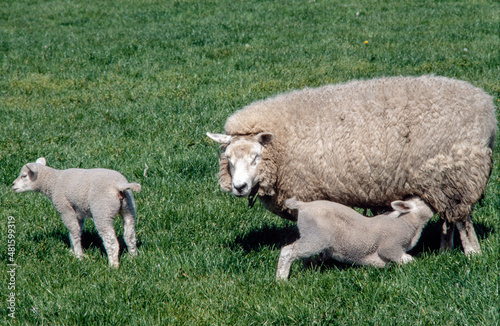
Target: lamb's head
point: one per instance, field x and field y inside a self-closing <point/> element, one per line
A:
<point x="244" y="154"/>
<point x="413" y="205"/>
<point x="27" y="180"/>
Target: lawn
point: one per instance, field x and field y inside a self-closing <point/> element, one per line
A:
<point x="135" y="85"/>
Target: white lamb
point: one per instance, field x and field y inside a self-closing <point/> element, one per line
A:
<point x="348" y="236"/>
<point x="365" y="144"/>
<point x="81" y="193"/>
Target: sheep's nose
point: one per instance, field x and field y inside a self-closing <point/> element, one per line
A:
<point x="240" y="187"/>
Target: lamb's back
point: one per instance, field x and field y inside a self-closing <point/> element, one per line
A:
<point x="82" y="186"/>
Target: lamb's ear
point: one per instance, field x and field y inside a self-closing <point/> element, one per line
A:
<point x="265" y="138"/>
<point x="220" y="138"/>
<point x="41" y="161"/>
<point x="32" y="171"/>
<point x="403" y="206"/>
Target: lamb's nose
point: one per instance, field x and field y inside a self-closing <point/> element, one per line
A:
<point x="240" y="187"/>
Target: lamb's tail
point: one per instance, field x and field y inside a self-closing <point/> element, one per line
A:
<point x="293" y="203"/>
<point x="132" y="186"/>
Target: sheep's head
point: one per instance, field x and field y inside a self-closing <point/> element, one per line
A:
<point x="243" y="154"/>
<point x="28" y="176"/>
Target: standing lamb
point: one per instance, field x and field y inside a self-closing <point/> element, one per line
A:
<point x="365" y="144"/>
<point x="344" y="234"/>
<point x="80" y="193"/>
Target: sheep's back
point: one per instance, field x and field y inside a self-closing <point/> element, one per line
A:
<point x="366" y="143"/>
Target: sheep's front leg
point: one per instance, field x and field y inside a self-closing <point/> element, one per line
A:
<point x="468" y="236"/>
<point x="405" y="258"/>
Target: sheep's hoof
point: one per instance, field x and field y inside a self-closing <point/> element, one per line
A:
<point x="469" y="252"/>
<point x="78" y="256"/>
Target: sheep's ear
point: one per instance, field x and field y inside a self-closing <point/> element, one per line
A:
<point x="265" y="138"/>
<point x="41" y="161"/>
<point x="220" y="138"/>
<point x="402" y="206"/>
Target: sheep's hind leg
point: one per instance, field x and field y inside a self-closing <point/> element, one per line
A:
<point x="468" y="236"/>
<point x="287" y="256"/>
<point x="128" y="214"/>
<point x="107" y="233"/>
<point x="298" y="249"/>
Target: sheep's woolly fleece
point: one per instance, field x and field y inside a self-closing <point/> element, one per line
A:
<point x="367" y="143"/>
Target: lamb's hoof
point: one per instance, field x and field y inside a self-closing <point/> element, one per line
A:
<point x="281" y="276"/>
<point x="405" y="259"/>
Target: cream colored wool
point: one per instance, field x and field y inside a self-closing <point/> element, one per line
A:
<point x="368" y="143"/>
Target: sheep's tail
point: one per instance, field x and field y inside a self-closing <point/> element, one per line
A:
<point x="132" y="186"/>
<point x="293" y="203"/>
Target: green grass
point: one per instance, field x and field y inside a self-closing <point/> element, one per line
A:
<point x="122" y="84"/>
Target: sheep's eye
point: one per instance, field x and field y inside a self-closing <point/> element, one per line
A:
<point x="24" y="176"/>
<point x="254" y="160"/>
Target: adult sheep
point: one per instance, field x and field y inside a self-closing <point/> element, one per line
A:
<point x="365" y="144"/>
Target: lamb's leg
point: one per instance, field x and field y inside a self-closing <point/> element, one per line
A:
<point x="287" y="257"/>
<point x="391" y="252"/>
<point x="128" y="214"/>
<point x="104" y="226"/>
<point x="75" y="226"/>
<point x="405" y="258"/>
<point x="468" y="236"/>
<point x="299" y="249"/>
<point x="447" y="233"/>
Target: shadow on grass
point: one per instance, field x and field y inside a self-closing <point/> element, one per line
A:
<point x="268" y="236"/>
<point x="430" y="240"/>
<point x="90" y="240"/>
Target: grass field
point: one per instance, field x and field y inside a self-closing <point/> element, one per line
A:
<point x="125" y="84"/>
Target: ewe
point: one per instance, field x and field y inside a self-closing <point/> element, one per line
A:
<point x="80" y="193"/>
<point x="343" y="234"/>
<point x="365" y="144"/>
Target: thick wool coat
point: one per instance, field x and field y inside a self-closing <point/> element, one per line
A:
<point x="367" y="143"/>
